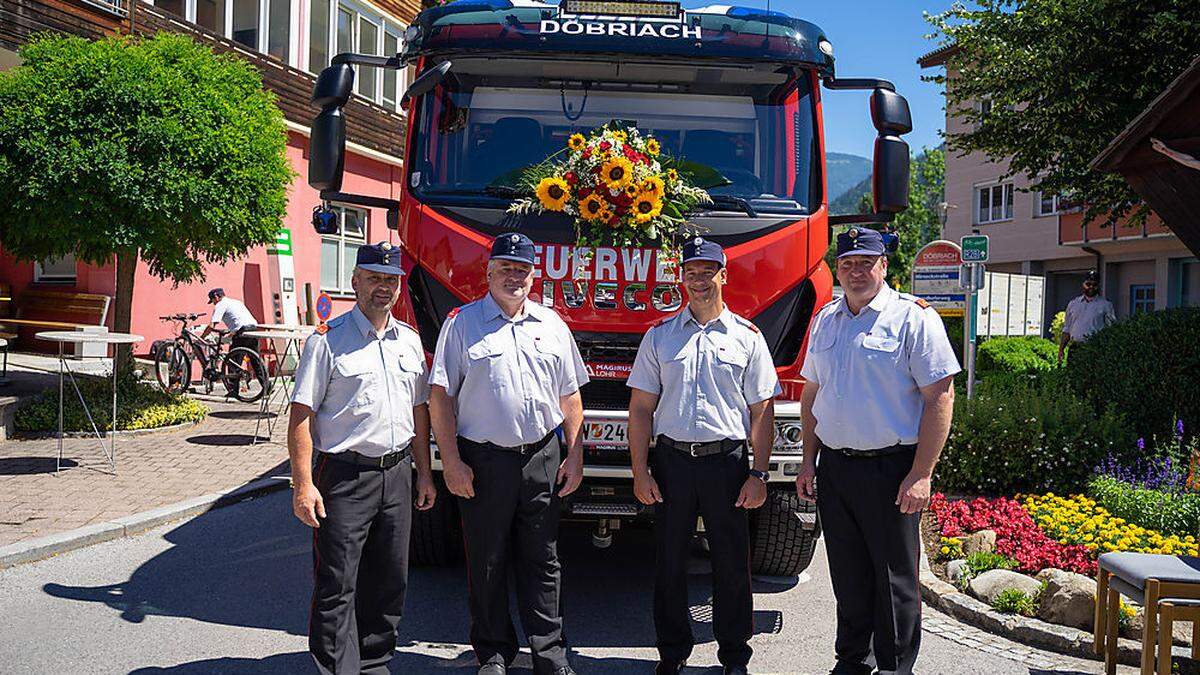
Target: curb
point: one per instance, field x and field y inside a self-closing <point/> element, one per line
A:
<point x="121" y="433"/>
<point x="1029" y="631"/>
<point x="51" y="545"/>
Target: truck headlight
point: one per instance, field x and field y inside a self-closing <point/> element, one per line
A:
<point x="789" y="436"/>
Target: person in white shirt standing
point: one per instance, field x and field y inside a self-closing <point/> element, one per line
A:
<point x="236" y="317"/>
<point x="1086" y="314"/>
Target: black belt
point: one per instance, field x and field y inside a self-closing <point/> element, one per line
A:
<point x="721" y="447"/>
<point x="875" y="452"/>
<point x="526" y="449"/>
<point x="385" y="462"/>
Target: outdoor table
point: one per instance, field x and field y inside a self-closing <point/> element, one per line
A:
<point x="62" y="337"/>
<point x="291" y="336"/>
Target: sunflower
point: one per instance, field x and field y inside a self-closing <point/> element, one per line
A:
<point x="652" y="147"/>
<point x="645" y="207"/>
<point x="620" y="135"/>
<point x="576" y="142"/>
<point x="631" y="190"/>
<point x="672" y="175"/>
<point x="617" y="172"/>
<point x="594" y="208"/>
<point x="653" y="185"/>
<point x="553" y="193"/>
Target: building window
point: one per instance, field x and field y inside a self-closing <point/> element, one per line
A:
<point x="245" y="23"/>
<point x="1189" y="283"/>
<point x="55" y="270"/>
<point x="176" y="7"/>
<point x="318" y="35"/>
<point x="357" y="29"/>
<point x="1050" y="204"/>
<point x="983" y="108"/>
<point x="1141" y="298"/>
<point x="262" y="25"/>
<point x="279" y="29"/>
<point x="338" y="251"/>
<point x="994" y="203"/>
<point x="368" y="43"/>
<point x="210" y="14"/>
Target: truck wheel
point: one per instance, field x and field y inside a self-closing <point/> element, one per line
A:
<point x="783" y="534"/>
<point x="436" y="539"/>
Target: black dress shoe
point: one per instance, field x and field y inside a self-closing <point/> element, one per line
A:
<point x="736" y="670"/>
<point x="492" y="669"/>
<point x="669" y="667"/>
<point x="565" y="670"/>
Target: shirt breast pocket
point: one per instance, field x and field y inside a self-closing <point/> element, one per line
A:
<point x="821" y="341"/>
<point x="485" y="358"/>
<point x="354" y="380"/>
<point x="734" y="359"/>
<point x="881" y="348"/>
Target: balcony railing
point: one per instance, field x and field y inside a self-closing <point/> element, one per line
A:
<point x="115" y="7"/>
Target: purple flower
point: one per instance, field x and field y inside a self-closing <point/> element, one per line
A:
<point x="1141" y="444"/>
<point x="1179" y="429"/>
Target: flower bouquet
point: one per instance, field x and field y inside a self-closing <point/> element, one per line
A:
<point x="619" y="187"/>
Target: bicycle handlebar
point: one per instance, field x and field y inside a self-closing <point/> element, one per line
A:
<point x="179" y="317"/>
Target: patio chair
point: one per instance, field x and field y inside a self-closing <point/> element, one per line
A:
<point x="1167" y="587"/>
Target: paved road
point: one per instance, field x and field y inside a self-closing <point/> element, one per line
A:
<point x="227" y="592"/>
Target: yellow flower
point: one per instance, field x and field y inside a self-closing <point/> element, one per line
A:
<point x="620" y="135"/>
<point x="631" y="191"/>
<point x="553" y="193"/>
<point x="576" y="142"/>
<point x="594" y="208"/>
<point x="645" y="207"/>
<point x="652" y="147"/>
<point x="653" y="185"/>
<point x="945" y="550"/>
<point x="617" y="173"/>
<point x="672" y="175"/>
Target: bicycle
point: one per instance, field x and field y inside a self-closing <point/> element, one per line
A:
<point x="241" y="369"/>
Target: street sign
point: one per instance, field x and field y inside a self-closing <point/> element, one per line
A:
<point x="935" y="277"/>
<point x="975" y="248"/>
<point x="324" y="307"/>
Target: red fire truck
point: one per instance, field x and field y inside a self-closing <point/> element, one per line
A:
<point x="502" y="84"/>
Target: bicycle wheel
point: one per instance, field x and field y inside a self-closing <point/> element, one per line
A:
<point x="173" y="369"/>
<point x="244" y="374"/>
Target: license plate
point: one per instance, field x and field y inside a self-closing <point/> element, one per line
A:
<point x="606" y="434"/>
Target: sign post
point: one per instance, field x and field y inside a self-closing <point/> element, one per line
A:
<point x="974" y="254"/>
<point x="935" y="277"/>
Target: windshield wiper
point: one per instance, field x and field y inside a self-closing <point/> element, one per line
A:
<point x="741" y="203"/>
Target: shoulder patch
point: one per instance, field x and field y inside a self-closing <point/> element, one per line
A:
<point x="454" y="312"/>
<point x="322" y="329"/>
<point x="747" y="323"/>
<point x="922" y="303"/>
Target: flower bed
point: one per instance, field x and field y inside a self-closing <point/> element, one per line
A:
<point x="1078" y="520"/>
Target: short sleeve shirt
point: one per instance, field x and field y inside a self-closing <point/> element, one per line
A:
<point x="1086" y="316"/>
<point x="706" y="377"/>
<point x="507" y="374"/>
<point x="869" y="369"/>
<point x="362" y="385"/>
<point x="233" y="313"/>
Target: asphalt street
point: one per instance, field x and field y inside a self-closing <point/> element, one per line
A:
<point x="228" y="592"/>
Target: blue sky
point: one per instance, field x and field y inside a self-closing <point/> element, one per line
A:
<point x="873" y="38"/>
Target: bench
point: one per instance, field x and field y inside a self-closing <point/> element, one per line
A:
<point x="56" y="310"/>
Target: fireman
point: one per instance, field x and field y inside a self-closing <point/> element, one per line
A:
<point x="505" y="380"/>
<point x="704" y="382"/>
<point x="876" y="409"/>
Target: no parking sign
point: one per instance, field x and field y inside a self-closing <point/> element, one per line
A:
<point x="324" y="309"/>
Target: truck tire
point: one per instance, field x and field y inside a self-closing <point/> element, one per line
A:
<point x="436" y="538"/>
<point x="781" y="543"/>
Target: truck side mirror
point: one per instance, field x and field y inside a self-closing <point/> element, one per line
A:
<point x="889" y="181"/>
<point x="889" y="113"/>
<point x="327" y="141"/>
<point x="425" y="83"/>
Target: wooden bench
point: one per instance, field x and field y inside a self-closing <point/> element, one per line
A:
<point x="56" y="310"/>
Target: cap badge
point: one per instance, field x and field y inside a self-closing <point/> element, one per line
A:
<point x="698" y="240"/>
<point x="853" y="232"/>
<point x="515" y="238"/>
<point x="385" y="246"/>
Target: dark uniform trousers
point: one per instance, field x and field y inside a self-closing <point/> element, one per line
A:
<point x="874" y="556"/>
<point x="360" y="564"/>
<point x="513" y="517"/>
<point x="709" y="487"/>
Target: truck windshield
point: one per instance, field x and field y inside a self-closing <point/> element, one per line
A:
<point x="753" y="123"/>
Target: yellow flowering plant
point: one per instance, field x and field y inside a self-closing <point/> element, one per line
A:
<point x="1077" y="519"/>
<point x="618" y="185"/>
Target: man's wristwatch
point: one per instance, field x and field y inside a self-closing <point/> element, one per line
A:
<point x="761" y="475"/>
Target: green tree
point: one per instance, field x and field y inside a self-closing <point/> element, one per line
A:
<point x="1063" y="78"/>
<point x="920" y="223"/>
<point x="131" y="149"/>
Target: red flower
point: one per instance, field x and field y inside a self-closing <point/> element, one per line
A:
<point x="587" y="152"/>
<point x="605" y="145"/>
<point x="571" y="178"/>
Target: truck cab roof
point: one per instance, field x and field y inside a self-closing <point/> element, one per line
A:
<point x="618" y="27"/>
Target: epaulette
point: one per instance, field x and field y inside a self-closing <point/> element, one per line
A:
<point x="322" y="329"/>
<point x="747" y="323"/>
<point x="453" y="313"/>
<point x="922" y="303"/>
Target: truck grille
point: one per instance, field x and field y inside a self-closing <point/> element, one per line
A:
<point x="608" y="347"/>
<point x="605" y="395"/>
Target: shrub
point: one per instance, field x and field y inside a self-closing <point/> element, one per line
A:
<point x="139" y="406"/>
<point x="985" y="561"/>
<point x="1021" y="435"/>
<point x="1148" y="366"/>
<point x="1024" y="354"/>
<point x="1014" y="601"/>
<point x="1056" y="327"/>
<point x="1167" y="511"/>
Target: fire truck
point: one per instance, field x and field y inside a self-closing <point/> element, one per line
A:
<point x="501" y="85"/>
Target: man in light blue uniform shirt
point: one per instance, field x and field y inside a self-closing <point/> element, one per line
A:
<point x="703" y="384"/>
<point x="361" y="401"/>
<point x="506" y="377"/>
<point x="876" y="405"/>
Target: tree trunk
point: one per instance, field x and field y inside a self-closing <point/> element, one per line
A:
<point x="123" y="304"/>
